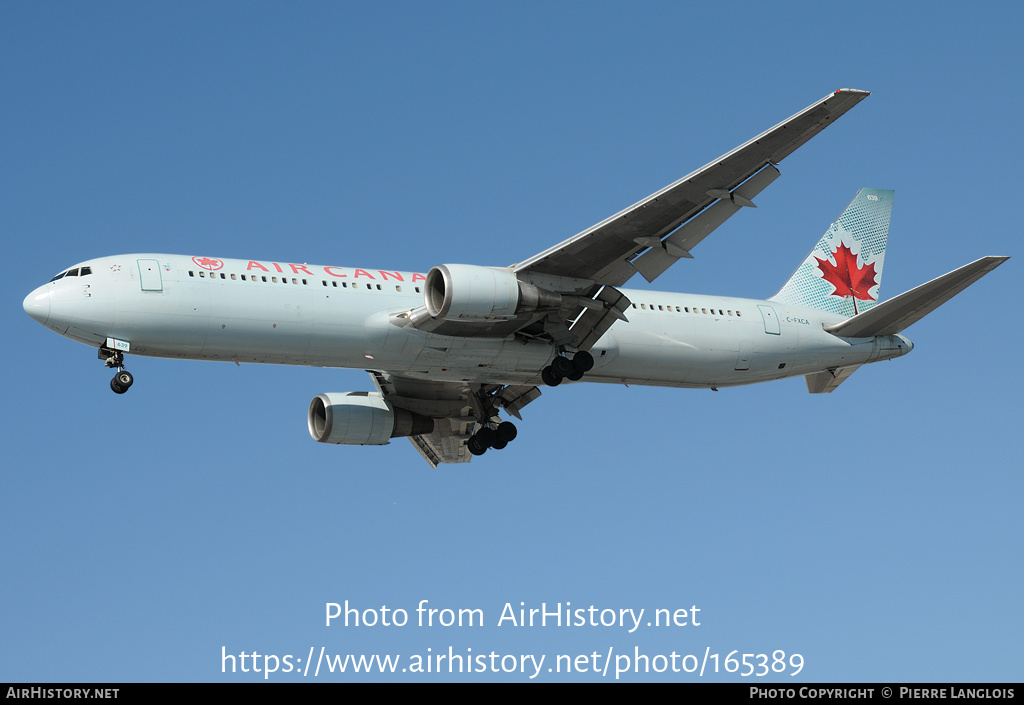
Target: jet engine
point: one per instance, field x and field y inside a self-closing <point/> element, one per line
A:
<point x="464" y="292"/>
<point x="362" y="418"/>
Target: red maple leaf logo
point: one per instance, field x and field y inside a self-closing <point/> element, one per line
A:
<point x="208" y="263"/>
<point x="848" y="279"/>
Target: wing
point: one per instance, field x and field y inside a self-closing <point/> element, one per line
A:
<point x="606" y="252"/>
<point x="583" y="272"/>
<point x="454" y="407"/>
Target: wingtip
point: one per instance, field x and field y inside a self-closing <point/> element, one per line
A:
<point x="853" y="90"/>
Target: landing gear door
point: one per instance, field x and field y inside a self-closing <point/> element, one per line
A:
<point x="149" y="275"/>
<point x="771" y="320"/>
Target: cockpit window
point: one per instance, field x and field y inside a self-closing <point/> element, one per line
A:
<point x="76" y="272"/>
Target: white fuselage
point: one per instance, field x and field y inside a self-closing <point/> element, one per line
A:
<point x="265" y="312"/>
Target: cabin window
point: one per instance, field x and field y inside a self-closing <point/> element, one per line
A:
<point x="191" y="273"/>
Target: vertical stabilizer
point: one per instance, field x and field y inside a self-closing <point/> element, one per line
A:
<point x="843" y="272"/>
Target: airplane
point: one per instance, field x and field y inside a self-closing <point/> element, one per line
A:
<point x="450" y="349"/>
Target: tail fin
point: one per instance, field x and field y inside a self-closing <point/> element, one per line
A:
<point x="843" y="272"/>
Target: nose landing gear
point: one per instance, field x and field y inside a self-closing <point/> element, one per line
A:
<point x="115" y="358"/>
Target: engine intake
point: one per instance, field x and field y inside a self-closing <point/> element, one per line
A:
<point x="464" y="292"/>
<point x="361" y="418"/>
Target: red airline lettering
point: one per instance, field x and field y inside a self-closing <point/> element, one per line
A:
<point x="336" y="272"/>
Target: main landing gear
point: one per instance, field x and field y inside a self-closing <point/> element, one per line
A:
<point x="115" y="358"/>
<point x="564" y="368"/>
<point x="487" y="437"/>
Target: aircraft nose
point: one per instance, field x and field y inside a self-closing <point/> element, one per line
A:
<point x="37" y="304"/>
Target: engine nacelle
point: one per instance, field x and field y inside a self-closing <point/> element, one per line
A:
<point x="361" y="418"/>
<point x="464" y="292"/>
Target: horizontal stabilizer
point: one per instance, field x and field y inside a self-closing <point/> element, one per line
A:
<point x="892" y="316"/>
<point x="827" y="381"/>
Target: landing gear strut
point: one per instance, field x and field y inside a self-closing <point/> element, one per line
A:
<point x="115" y="358"/>
<point x="564" y="368"/>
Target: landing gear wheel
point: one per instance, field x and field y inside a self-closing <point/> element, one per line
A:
<point x="550" y="377"/>
<point x="583" y="361"/>
<point x="473" y="444"/>
<point x="506" y="433"/>
<point x="498" y="445"/>
<point x="575" y="375"/>
<point x="122" y="380"/>
<point x="561" y="366"/>
<point x="485" y="437"/>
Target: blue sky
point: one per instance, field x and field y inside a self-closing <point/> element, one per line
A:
<point x="875" y="531"/>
